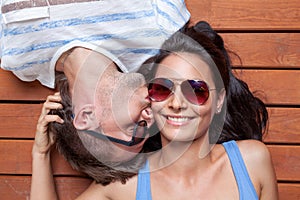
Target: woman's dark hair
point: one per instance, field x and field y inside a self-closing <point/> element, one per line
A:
<point x="244" y="115"/>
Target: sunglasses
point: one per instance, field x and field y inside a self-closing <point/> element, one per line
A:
<point x="139" y="134"/>
<point x="195" y="91"/>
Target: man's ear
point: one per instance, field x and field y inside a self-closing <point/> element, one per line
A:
<point x="147" y="115"/>
<point x="85" y="119"/>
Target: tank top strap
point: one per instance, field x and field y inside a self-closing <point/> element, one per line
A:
<point x="143" y="191"/>
<point x="244" y="183"/>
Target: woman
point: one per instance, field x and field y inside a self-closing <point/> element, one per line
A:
<point x="196" y="101"/>
<point x="189" y="102"/>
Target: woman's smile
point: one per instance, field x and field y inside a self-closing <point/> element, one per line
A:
<point x="177" y="120"/>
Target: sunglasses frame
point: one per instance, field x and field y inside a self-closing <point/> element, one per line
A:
<point x="172" y="90"/>
<point x="132" y="142"/>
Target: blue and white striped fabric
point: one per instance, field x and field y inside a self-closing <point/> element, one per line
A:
<point x="34" y="33"/>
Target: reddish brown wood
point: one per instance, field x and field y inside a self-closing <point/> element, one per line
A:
<point x="286" y="161"/>
<point x="247" y="15"/>
<point x="279" y="87"/>
<point x="284" y="125"/>
<point x="271" y="50"/>
<point x="12" y="88"/>
<point x="15" y="158"/>
<point x="289" y="191"/>
<point x="68" y="188"/>
<point x="18" y="187"/>
<point x="19" y="120"/>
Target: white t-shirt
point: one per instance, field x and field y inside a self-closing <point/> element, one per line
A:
<point x="35" y="33"/>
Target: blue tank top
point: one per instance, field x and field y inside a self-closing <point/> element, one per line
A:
<point x="245" y="185"/>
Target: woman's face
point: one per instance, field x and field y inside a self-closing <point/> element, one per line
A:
<point x="176" y="117"/>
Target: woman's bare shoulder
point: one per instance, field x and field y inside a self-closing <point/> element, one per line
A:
<point x="259" y="164"/>
<point x="253" y="150"/>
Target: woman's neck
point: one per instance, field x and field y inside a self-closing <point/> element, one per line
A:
<point x="183" y="157"/>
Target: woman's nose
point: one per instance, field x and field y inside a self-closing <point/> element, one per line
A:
<point x="177" y="100"/>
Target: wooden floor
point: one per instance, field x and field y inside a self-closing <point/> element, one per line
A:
<point x="266" y="36"/>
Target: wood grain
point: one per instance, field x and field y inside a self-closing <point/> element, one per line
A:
<point x="262" y="81"/>
<point x="264" y="50"/>
<point x="15" y="158"/>
<point x="274" y="87"/>
<point x="12" y="88"/>
<point x="19" y="121"/>
<point x="286" y="161"/>
<point x="247" y="15"/>
<point x="68" y="188"/>
<point x="18" y="187"/>
<point x="284" y="126"/>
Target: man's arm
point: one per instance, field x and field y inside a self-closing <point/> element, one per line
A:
<point x="42" y="183"/>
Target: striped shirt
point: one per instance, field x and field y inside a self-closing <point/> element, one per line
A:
<point x="34" y="33"/>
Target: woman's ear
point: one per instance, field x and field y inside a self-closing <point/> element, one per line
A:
<point x="220" y="100"/>
<point x="147" y="115"/>
<point x="85" y="119"/>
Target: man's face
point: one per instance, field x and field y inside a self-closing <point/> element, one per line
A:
<point x="111" y="103"/>
<point x="120" y="100"/>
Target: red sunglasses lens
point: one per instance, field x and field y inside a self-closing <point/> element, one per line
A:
<point x="160" y="89"/>
<point x="196" y="92"/>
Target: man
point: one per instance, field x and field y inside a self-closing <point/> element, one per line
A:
<point x="103" y="98"/>
<point x="124" y="103"/>
<point x="38" y="37"/>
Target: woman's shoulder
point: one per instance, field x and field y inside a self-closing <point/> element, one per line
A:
<point x="256" y="157"/>
<point x="252" y="150"/>
<point x="258" y="161"/>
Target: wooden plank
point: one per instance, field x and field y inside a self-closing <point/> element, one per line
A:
<point x="18" y="187"/>
<point x="284" y="125"/>
<point x="275" y="87"/>
<point x="15" y="158"/>
<point x="68" y="188"/>
<point x="12" y="88"/>
<point x="286" y="162"/>
<point x="284" y="91"/>
<point x="19" y="121"/>
<point x="269" y="50"/>
<point x="289" y="191"/>
<point x="247" y="15"/>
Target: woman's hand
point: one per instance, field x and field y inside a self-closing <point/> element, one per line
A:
<point x="44" y="139"/>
